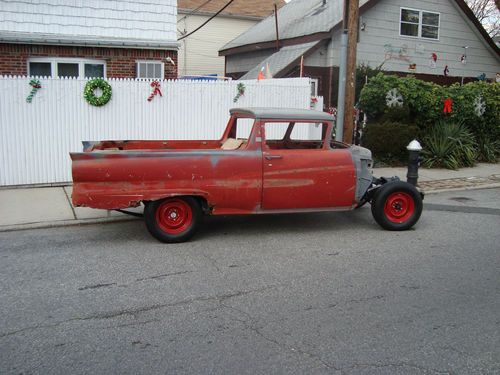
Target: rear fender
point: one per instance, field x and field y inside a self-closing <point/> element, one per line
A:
<point x="202" y="199"/>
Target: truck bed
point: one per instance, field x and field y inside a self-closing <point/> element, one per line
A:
<point x="153" y="145"/>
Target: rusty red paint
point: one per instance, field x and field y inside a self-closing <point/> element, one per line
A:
<point x="251" y="179"/>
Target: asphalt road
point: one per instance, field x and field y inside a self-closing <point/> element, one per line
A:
<point x="327" y="293"/>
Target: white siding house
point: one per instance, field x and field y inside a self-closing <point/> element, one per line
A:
<point x="441" y="41"/>
<point x="381" y="41"/>
<point x="198" y="54"/>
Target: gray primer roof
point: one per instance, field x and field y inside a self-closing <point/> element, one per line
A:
<point x="297" y="18"/>
<point x="281" y="59"/>
<point x="283" y="113"/>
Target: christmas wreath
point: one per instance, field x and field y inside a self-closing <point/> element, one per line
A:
<point x="91" y="97"/>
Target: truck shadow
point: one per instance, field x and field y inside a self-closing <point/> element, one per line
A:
<point x="216" y="226"/>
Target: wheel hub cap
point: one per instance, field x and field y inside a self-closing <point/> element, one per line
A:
<point x="399" y="207"/>
<point x="174" y="216"/>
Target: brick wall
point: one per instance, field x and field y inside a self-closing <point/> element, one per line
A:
<point x="120" y="62"/>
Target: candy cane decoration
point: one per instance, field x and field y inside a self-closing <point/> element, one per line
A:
<point x="156" y="90"/>
<point x="36" y="85"/>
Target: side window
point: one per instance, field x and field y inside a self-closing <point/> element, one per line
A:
<point x="276" y="130"/>
<point x="295" y="135"/>
<point x="307" y="132"/>
<point x="243" y="128"/>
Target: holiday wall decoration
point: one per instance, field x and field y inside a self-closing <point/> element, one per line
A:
<point x="432" y="60"/>
<point x="479" y="106"/>
<point x="447" y="108"/>
<point x="35" y="86"/>
<point x="394" y="98"/>
<point x="241" y="91"/>
<point x="446" y="71"/>
<point x="91" y="97"/>
<point x="156" y="90"/>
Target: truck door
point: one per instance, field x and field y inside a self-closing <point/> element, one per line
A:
<point x="301" y="171"/>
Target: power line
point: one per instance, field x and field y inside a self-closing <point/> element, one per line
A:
<point x="207" y="21"/>
<point x="195" y="10"/>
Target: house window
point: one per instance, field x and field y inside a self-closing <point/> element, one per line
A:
<point x="40" y="69"/>
<point x="419" y="24"/>
<point x="314" y="87"/>
<point x="150" y="69"/>
<point x="66" y="67"/>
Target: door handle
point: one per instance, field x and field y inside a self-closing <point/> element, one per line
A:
<point x="271" y="157"/>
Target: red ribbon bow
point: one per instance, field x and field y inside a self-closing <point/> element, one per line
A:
<point x="447" y="105"/>
<point x="156" y="90"/>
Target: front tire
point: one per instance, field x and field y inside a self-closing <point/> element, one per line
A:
<point x="397" y="206"/>
<point x="174" y="219"/>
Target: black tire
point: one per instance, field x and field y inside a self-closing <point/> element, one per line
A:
<point x="397" y="206"/>
<point x="173" y="219"/>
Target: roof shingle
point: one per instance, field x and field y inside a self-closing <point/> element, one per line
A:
<point x="254" y="8"/>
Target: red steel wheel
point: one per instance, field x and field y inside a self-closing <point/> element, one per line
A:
<point x="173" y="219"/>
<point x="397" y="205"/>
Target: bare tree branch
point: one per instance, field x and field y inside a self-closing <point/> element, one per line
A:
<point x="488" y="13"/>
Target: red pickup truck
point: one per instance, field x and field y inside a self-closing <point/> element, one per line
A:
<point x="268" y="161"/>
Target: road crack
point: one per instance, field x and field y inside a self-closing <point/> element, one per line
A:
<point x="135" y="312"/>
<point x="163" y="275"/>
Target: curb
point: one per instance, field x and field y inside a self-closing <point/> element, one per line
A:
<point x="107" y="220"/>
<point x="478" y="187"/>
<point x="64" y="223"/>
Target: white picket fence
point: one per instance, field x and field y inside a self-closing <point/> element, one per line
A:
<point x="36" y="137"/>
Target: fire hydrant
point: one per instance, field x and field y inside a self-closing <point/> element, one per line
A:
<point x="414" y="149"/>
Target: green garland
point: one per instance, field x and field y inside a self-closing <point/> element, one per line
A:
<point x="36" y="85"/>
<point x="241" y="91"/>
<point x="90" y="96"/>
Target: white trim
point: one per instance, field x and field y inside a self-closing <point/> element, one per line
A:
<point x="55" y="60"/>
<point x="420" y="24"/>
<point x="137" y="62"/>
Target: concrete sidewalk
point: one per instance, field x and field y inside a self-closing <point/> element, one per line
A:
<point x="40" y="207"/>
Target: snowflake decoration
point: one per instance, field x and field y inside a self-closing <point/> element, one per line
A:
<point x="394" y="98"/>
<point x="479" y="106"/>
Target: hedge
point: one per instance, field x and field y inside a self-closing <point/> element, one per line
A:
<point x="424" y="102"/>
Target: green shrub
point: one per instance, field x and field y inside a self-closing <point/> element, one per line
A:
<point x="388" y="140"/>
<point x="364" y="72"/>
<point x="488" y="149"/>
<point x="397" y="114"/>
<point x="424" y="103"/>
<point x="449" y="145"/>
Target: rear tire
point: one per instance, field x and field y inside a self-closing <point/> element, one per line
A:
<point x="174" y="219"/>
<point x="397" y="206"/>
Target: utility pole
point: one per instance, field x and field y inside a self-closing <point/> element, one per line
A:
<point x="350" y="90"/>
<point x="339" y="129"/>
